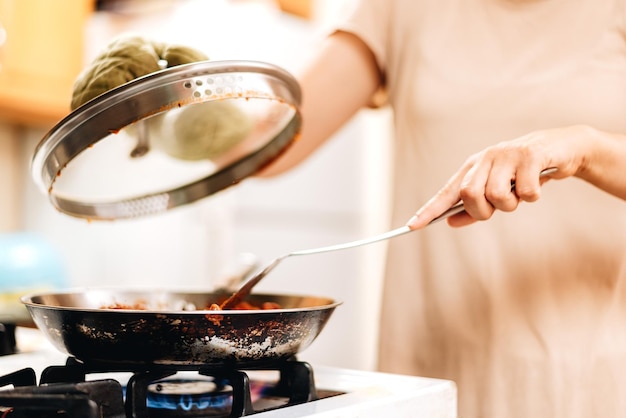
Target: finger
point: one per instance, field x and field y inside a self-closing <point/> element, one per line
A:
<point x="461" y="219"/>
<point x="444" y="199"/>
<point x="528" y="182"/>
<point x="472" y="191"/>
<point x="498" y="190"/>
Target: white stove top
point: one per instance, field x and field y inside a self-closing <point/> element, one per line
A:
<point x="367" y="394"/>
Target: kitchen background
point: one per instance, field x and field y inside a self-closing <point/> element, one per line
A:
<point x="338" y="195"/>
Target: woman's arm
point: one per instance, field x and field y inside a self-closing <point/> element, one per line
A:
<point x="483" y="182"/>
<point x="340" y="80"/>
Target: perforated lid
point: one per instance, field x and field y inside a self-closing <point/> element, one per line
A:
<point x="168" y="139"/>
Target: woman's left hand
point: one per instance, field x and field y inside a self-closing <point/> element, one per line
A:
<point x="484" y="181"/>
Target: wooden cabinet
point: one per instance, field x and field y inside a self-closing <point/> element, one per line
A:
<point x="40" y="58"/>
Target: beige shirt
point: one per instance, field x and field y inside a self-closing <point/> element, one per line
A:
<point x="525" y="312"/>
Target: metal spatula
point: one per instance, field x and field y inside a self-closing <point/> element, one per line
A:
<point x="245" y="290"/>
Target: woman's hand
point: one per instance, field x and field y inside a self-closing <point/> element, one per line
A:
<point x="483" y="182"/>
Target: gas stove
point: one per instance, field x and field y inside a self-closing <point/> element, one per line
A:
<point x="39" y="381"/>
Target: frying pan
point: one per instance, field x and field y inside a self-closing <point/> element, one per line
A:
<point x="83" y="324"/>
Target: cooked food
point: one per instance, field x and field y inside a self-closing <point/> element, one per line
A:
<point x="246" y="306"/>
<point x="139" y="305"/>
<point x="142" y="305"/>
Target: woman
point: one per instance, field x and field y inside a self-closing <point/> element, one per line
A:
<point x="526" y="312"/>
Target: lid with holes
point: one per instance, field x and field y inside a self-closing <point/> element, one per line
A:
<point x="168" y="139"/>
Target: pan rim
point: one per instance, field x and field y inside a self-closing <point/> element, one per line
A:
<point x="28" y="301"/>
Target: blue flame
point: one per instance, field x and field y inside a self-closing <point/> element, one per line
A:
<point x="189" y="402"/>
<point x="218" y="400"/>
<point x="189" y="394"/>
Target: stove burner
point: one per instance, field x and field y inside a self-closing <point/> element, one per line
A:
<point x="189" y="397"/>
<point x="63" y="391"/>
<point x="295" y="385"/>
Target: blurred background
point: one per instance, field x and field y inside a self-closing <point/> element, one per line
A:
<point x="338" y="195"/>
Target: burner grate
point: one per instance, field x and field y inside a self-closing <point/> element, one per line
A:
<point x="95" y="399"/>
<point x="64" y="391"/>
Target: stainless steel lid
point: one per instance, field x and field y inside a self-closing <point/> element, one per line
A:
<point x="152" y="143"/>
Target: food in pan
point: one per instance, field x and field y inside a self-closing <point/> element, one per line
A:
<point x="246" y="306"/>
<point x="142" y="305"/>
<point x="137" y="306"/>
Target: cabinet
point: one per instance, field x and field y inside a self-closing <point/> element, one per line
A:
<point x="40" y="58"/>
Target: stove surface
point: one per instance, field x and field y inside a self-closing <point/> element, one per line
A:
<point x="361" y="393"/>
